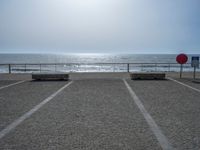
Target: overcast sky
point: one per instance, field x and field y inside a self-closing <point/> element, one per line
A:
<point x="100" y="26"/>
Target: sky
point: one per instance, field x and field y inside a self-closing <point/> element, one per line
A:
<point x="99" y="26"/>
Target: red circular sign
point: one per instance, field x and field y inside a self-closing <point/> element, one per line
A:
<point x="182" y="58"/>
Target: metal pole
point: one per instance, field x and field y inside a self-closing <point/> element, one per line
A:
<point x="194" y="75"/>
<point x="40" y="67"/>
<point x="9" y="68"/>
<point x="25" y="67"/>
<point x="141" y="67"/>
<point x="181" y="70"/>
<point x="155" y="67"/>
<point x="128" y="67"/>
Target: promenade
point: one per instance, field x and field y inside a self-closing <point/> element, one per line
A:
<point x="99" y="111"/>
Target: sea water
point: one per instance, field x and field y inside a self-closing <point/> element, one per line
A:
<point x="89" y="62"/>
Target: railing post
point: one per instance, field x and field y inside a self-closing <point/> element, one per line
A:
<point x="40" y="67"/>
<point x="128" y="67"/>
<point x="141" y="67"/>
<point x="55" y="68"/>
<point x="155" y="67"/>
<point x="25" y="67"/>
<point x="9" y="68"/>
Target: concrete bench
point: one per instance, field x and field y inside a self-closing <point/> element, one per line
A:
<point x="147" y="76"/>
<point x="196" y="81"/>
<point x="50" y="76"/>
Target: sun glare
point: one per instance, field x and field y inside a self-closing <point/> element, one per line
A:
<point x="85" y="3"/>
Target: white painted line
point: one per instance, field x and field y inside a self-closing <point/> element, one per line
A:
<point x="181" y="83"/>
<point x="18" y="121"/>
<point x="9" y="85"/>
<point x="162" y="139"/>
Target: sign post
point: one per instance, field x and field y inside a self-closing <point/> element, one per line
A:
<point x="181" y="59"/>
<point x="181" y="70"/>
<point x="195" y="64"/>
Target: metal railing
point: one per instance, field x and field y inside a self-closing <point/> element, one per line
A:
<point x="93" y="67"/>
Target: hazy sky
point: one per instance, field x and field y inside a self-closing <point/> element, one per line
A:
<point x="102" y="26"/>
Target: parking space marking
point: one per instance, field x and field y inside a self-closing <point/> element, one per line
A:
<point x="18" y="121"/>
<point x="9" y="85"/>
<point x="181" y="83"/>
<point x="162" y="139"/>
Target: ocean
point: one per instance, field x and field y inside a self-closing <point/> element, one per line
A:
<point x="89" y="62"/>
